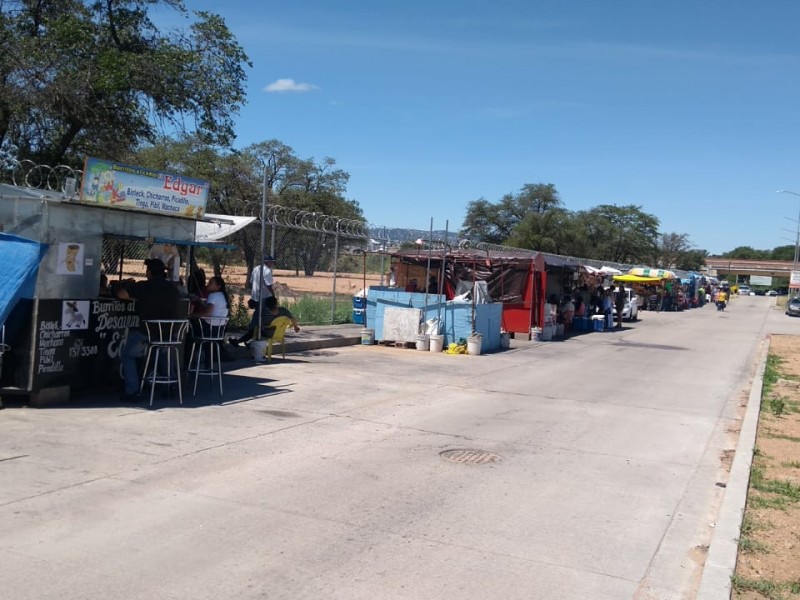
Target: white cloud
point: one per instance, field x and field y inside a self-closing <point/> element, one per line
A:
<point x="289" y="85"/>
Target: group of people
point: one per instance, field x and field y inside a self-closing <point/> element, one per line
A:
<point x="583" y="303"/>
<point x="159" y="298"/>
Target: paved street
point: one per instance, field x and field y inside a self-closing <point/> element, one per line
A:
<point x="321" y="477"/>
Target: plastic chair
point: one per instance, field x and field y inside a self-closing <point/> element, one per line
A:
<point x="167" y="335"/>
<point x="278" y="327"/>
<point x="207" y="333"/>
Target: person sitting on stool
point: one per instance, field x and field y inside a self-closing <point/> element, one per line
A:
<point x="156" y="298"/>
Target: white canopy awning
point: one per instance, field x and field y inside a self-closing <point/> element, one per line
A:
<point x="218" y="227"/>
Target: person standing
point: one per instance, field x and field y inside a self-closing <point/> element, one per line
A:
<point x="156" y="298"/>
<point x="619" y="303"/>
<point x="608" y="308"/>
<point x="261" y="288"/>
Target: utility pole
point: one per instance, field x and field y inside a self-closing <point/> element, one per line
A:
<point x="797" y="238"/>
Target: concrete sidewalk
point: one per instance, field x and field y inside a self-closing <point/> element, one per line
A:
<point x="311" y="337"/>
<point x="328" y="474"/>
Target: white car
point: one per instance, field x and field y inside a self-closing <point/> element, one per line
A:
<point x="744" y="290"/>
<point x="631" y="310"/>
<point x="771" y="293"/>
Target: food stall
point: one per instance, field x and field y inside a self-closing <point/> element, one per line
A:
<point x="64" y="336"/>
<point x="513" y="282"/>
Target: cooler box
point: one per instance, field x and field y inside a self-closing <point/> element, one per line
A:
<point x="358" y="316"/>
<point x="359" y="302"/>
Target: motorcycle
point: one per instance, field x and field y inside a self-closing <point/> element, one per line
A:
<point x="721" y="304"/>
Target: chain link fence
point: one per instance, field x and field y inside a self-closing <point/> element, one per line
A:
<point x="321" y="261"/>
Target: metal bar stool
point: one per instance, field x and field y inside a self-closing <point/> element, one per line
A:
<point x="207" y="333"/>
<point x="167" y="335"/>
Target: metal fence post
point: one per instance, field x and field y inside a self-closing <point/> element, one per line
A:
<point x="335" y="267"/>
<point x="263" y="255"/>
<point x="383" y="255"/>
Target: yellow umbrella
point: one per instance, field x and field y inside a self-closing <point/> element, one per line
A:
<point x="648" y="272"/>
<point x="636" y="279"/>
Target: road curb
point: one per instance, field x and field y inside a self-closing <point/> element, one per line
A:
<point x="721" y="560"/>
<point x="295" y="346"/>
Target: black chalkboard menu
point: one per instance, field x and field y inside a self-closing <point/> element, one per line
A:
<point x="77" y="342"/>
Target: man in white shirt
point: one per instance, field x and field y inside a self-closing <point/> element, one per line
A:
<point x="260" y="281"/>
<point x="261" y="278"/>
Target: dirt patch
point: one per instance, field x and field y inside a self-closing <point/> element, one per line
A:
<point x="768" y="564"/>
<point x="290" y="285"/>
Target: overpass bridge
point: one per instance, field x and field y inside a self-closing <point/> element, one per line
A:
<point x="737" y="266"/>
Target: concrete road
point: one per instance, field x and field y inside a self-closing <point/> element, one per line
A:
<point x="321" y="477"/>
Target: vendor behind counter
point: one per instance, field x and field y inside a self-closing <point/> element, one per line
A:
<point x="156" y="296"/>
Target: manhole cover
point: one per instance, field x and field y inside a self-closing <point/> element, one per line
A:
<point x="470" y="457"/>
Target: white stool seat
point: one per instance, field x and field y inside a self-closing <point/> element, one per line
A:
<point x="208" y="334"/>
<point x="168" y="336"/>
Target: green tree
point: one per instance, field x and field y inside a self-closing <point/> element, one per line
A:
<point x="783" y="253"/>
<point x="82" y="77"/>
<point x="551" y="231"/>
<point x="622" y="234"/>
<point x="671" y="247"/>
<point x="315" y="187"/>
<point x="691" y="260"/>
<point x="747" y="253"/>
<point x="495" y="223"/>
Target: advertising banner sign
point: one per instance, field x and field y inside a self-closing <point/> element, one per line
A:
<point x="116" y="185"/>
<point x="761" y="280"/>
<point x="794" y="282"/>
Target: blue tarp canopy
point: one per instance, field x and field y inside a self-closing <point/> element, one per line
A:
<point x="20" y="258"/>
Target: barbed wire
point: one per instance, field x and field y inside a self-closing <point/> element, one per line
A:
<point x="284" y="216"/>
<point x="26" y="173"/>
<point x="66" y="179"/>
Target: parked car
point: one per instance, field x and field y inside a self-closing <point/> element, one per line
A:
<point x="631" y="310"/>
<point x="793" y="307"/>
<point x="744" y="290"/>
<point x="772" y="293"/>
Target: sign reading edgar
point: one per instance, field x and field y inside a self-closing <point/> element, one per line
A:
<point x="116" y="185"/>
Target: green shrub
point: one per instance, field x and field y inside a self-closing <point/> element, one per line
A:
<point x="239" y="317"/>
<point x="311" y="310"/>
<point x="777" y="406"/>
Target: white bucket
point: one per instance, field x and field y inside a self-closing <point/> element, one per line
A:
<point x="536" y="334"/>
<point x="367" y="337"/>
<point x="423" y="342"/>
<point x="505" y="340"/>
<point x="437" y="342"/>
<point x="474" y="343"/>
<point x="259" y="350"/>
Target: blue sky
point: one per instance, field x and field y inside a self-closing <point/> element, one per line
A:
<point x="689" y="109"/>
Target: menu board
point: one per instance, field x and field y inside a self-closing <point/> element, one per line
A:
<point x="77" y="342"/>
<point x="117" y="185"/>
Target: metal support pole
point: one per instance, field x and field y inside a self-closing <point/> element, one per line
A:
<point x="383" y="256"/>
<point x="263" y="255"/>
<point x="796" y="245"/>
<point x="797" y="238"/>
<point x="442" y="273"/>
<point x="428" y="270"/>
<point x="335" y="267"/>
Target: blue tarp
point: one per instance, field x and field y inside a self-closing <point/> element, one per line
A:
<point x="20" y="258"/>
